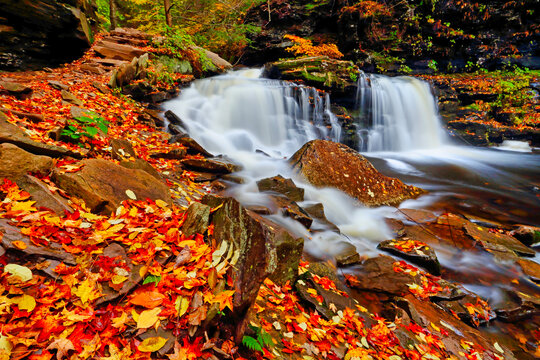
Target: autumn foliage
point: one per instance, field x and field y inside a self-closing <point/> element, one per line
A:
<point x="305" y="47"/>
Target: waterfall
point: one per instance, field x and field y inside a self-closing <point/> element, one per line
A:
<point x="240" y="111"/>
<point x="396" y="114"/>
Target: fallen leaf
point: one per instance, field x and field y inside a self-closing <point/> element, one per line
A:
<point x="22" y="272"/>
<point x="148" y="299"/>
<point x="148" y="318"/>
<point x="19" y="244"/>
<point x="152" y="344"/>
<point x="130" y="194"/>
<point x="25" y="302"/>
<point x="62" y="347"/>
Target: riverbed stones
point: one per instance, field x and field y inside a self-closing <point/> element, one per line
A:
<point x="326" y="163"/>
<point x="214" y="165"/>
<point x="103" y="185"/>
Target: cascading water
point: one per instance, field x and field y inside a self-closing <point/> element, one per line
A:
<point x="241" y="111"/>
<point x="396" y="114"/>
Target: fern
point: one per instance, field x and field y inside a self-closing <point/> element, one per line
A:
<point x="257" y="344"/>
<point x="251" y="343"/>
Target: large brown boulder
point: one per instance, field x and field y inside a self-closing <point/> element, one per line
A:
<point x="326" y="163"/>
<point x="103" y="185"/>
<point x="264" y="249"/>
<point x="15" y="162"/>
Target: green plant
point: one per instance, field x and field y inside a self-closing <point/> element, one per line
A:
<point x="432" y="64"/>
<point x="86" y="125"/>
<point x="258" y="343"/>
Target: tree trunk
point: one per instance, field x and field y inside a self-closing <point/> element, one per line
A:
<point x="168" y="18"/>
<point x="112" y="14"/>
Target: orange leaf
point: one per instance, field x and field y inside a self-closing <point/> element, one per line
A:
<point x="148" y="299"/>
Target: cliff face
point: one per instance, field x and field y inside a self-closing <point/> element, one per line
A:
<point x="454" y="34"/>
<point x="39" y="33"/>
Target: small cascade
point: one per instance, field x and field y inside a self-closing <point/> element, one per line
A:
<point x="396" y="114"/>
<point x="240" y="111"/>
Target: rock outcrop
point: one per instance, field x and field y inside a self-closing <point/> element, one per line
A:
<point x="326" y="163"/>
<point x="16" y="162"/>
<point x="39" y="33"/>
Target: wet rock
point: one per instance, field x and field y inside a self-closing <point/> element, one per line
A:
<point x="214" y="165"/>
<point x="530" y="268"/>
<point x="470" y="309"/>
<point x="316" y="211"/>
<point x="153" y="117"/>
<point x="325" y="163"/>
<point x="143" y="165"/>
<point x="496" y="241"/>
<point x="204" y="177"/>
<point x="451" y="220"/>
<point x="347" y="255"/>
<point x="291" y="209"/>
<point x="328" y="299"/>
<point x="282" y="186"/>
<point x="174" y="119"/>
<point x="264" y="249"/>
<point x="10" y="133"/>
<point x="417" y="252"/>
<point x="197" y="218"/>
<point x="192" y="146"/>
<point x="70" y="98"/>
<point x="517" y="306"/>
<point x="259" y="209"/>
<point x="122" y="149"/>
<point x="42" y="195"/>
<point x="176" y="130"/>
<point x="396" y="226"/>
<point x="16" y="162"/>
<point x="418" y="216"/>
<point x="528" y="235"/>
<point x="103" y="184"/>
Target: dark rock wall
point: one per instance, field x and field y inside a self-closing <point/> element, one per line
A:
<point x="457" y="34"/>
<point x="39" y="33"/>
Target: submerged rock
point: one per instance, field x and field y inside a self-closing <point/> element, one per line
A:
<point x="495" y="241"/>
<point x="414" y="251"/>
<point x="326" y="163"/>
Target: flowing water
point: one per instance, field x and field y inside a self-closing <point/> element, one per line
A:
<point x="260" y="123"/>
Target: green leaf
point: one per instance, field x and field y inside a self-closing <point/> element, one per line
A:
<point x="72" y="128"/>
<point x="84" y="119"/>
<point x="91" y="131"/>
<point x="102" y="127"/>
<point x="265" y="338"/>
<point x="152" y="279"/>
<point x="251" y="343"/>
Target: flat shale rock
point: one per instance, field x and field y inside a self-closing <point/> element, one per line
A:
<point x="417" y="252"/>
<point x="326" y="163"/>
<point x="215" y="165"/>
<point x="496" y="241"/>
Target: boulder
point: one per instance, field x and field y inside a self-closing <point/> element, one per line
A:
<point x="326" y="163"/>
<point x="18" y="90"/>
<point x="103" y="184"/>
<point x="347" y="255"/>
<point x="529" y="235"/>
<point x="10" y="133"/>
<point x="197" y="218"/>
<point x="283" y="186"/>
<point x="192" y="146"/>
<point x="16" y="162"/>
<point x="42" y="195"/>
<point x="264" y="249"/>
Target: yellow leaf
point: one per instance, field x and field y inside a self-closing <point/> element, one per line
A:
<point x="5" y="344"/>
<point x="87" y="291"/>
<point x="118" y="279"/>
<point x="152" y="344"/>
<point x="24" y="273"/>
<point x="25" y="302"/>
<point x="181" y="305"/>
<point x="161" y="203"/>
<point x="25" y="206"/>
<point x="148" y="318"/>
<point x="19" y="245"/>
<point x="118" y="322"/>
